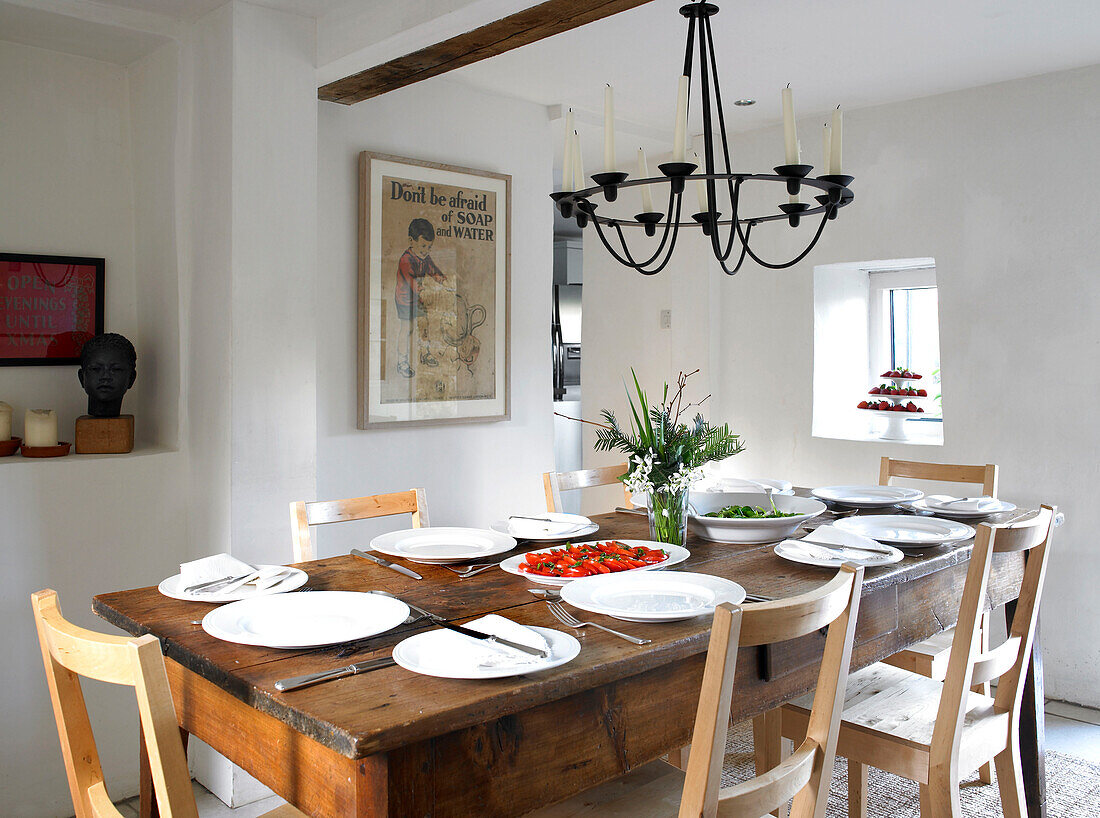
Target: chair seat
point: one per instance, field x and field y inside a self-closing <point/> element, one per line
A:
<point x="897" y="706"/>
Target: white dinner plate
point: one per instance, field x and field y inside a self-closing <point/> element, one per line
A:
<point x="676" y="555"/>
<point x="867" y="496"/>
<point x="439" y="545"/>
<point x="564" y="526"/>
<point x="906" y="531"/>
<point x="419" y="654"/>
<point x="809" y="553"/>
<point x="305" y="620"/>
<point x="295" y="578"/>
<point x="665" y="596"/>
<point x="950" y="511"/>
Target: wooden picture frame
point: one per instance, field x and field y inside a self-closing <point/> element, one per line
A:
<point x="49" y="306"/>
<point x="434" y="293"/>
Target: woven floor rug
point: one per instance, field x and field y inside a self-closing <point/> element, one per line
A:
<point x="1073" y="786"/>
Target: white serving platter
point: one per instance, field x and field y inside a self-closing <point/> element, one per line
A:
<point x="676" y="555"/>
<point x="753" y="529"/>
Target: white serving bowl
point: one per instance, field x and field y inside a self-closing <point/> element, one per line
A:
<point x="757" y="530"/>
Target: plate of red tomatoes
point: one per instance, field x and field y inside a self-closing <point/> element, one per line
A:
<point x="560" y="566"/>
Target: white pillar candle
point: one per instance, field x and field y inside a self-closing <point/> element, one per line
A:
<point x="40" y="427"/>
<point x="578" y="166"/>
<point x="700" y="185"/>
<point x="826" y="147"/>
<point x="609" y="130"/>
<point x="790" y="136"/>
<point x="835" y="144"/>
<point x="5" y="421"/>
<point x="567" y="183"/>
<point x="679" y="140"/>
<point x="643" y="173"/>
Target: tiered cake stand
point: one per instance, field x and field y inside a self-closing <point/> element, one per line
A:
<point x="895" y="419"/>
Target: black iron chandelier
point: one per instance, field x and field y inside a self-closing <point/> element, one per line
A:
<point x="729" y="235"/>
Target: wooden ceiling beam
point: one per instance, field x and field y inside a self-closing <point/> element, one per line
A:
<point x="524" y="27"/>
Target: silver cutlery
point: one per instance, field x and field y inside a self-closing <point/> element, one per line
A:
<point x="401" y="569"/>
<point x="545" y="593"/>
<point x="214" y="584"/>
<point x="471" y="570"/>
<point x="296" y="682"/>
<point x="571" y="621"/>
<point x="487" y="637"/>
<point x="640" y="511"/>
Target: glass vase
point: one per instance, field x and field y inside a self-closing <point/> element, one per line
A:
<point x="668" y="516"/>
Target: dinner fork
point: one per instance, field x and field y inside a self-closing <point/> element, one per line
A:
<point x="567" y="618"/>
<point x="471" y="570"/>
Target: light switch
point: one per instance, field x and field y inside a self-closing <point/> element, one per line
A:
<point x="666" y="319"/>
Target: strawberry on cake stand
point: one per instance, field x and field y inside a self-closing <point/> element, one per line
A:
<point x="897" y="400"/>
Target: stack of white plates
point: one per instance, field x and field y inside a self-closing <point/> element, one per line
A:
<point x="943" y="505"/>
<point x="867" y="496"/>
<point x="437" y="546"/>
<point x="664" y="596"/>
<point x="546" y="526"/>
<point x="905" y="531"/>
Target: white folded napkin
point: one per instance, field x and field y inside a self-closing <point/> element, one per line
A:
<point x="217" y="566"/>
<point x="945" y="502"/>
<point x="524" y="528"/>
<point x="452" y="651"/>
<point x="833" y="536"/>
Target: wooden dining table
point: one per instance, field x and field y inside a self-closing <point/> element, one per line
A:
<point x="391" y="742"/>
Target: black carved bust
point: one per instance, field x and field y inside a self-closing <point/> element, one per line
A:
<point x="108" y="367"/>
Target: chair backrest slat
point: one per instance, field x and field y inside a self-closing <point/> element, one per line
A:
<point x="68" y="650"/>
<point x="555" y="482"/>
<point x="805" y="775"/>
<point x="985" y="476"/>
<point x="992" y="664"/>
<point x="323" y="512"/>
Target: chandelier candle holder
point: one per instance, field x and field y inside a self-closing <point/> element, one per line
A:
<point x="729" y="235"/>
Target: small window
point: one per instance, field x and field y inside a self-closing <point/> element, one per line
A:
<point x="869" y="318"/>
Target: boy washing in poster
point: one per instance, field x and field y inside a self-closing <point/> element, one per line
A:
<point x="415" y="263"/>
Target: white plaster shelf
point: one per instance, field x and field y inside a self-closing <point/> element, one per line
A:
<point x="60" y="462"/>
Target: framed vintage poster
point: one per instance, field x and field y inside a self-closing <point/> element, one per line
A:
<point x="434" y="253"/>
<point x="49" y="306"/>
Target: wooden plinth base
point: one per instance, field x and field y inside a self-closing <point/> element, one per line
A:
<point x="104" y="435"/>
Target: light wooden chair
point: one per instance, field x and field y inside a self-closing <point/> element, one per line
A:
<point x="660" y="789"/>
<point x="929" y="658"/>
<point x="935" y="732"/>
<point x="68" y="652"/>
<point x="555" y="482"/>
<point x="322" y="512"/>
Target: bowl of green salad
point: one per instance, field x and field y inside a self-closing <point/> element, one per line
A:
<point x="737" y="517"/>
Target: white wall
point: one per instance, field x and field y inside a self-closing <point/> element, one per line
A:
<point x="473" y="473"/>
<point x="989" y="183"/>
<point x="69" y="182"/>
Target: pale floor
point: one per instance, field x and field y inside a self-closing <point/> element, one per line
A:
<point x="1070" y="729"/>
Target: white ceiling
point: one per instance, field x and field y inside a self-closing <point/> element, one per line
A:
<point x="193" y="9"/>
<point x="850" y="52"/>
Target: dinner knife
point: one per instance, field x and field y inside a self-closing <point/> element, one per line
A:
<point x="401" y="569"/>
<point x="295" y="682"/>
<point x="212" y="584"/>
<point x="488" y="637"/>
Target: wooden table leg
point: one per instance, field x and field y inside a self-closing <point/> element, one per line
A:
<point x="147" y="801"/>
<point x="1032" y="729"/>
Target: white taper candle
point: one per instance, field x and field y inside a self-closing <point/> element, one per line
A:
<point x="790" y="136"/>
<point x="567" y="183"/>
<point x="578" y="166"/>
<point x="826" y="147"/>
<point x="609" y="130"/>
<point x="679" y="140"/>
<point x="836" y="144"/>
<point x="700" y="185"/>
